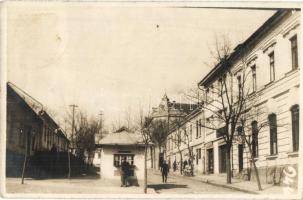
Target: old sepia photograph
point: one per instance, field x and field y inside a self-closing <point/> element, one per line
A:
<point x="150" y="100"/>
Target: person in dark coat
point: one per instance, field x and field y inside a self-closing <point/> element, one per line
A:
<point x="164" y="171"/>
<point x="175" y="165"/>
<point x="124" y="172"/>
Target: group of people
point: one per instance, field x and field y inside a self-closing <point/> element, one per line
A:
<point x="125" y="172"/>
<point x="186" y="164"/>
<point x="165" y="169"/>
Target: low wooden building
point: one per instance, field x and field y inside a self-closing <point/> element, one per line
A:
<point x="29" y="129"/>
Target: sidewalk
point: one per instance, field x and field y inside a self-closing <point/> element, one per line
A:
<point x="219" y="180"/>
<point x="72" y="186"/>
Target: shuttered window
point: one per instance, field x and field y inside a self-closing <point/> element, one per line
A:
<point x="295" y="127"/>
<point x="272" y="66"/>
<point x="272" y="119"/>
<point x="294" y="52"/>
<point x="254" y="142"/>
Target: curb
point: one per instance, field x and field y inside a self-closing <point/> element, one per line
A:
<point x="210" y="182"/>
<point x="226" y="186"/>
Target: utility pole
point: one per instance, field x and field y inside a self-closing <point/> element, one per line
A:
<point x="72" y="138"/>
<point x="73" y="123"/>
<point x="101" y="123"/>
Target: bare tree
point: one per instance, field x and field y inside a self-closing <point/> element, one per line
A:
<point x="116" y="124"/>
<point x="128" y="117"/>
<point x="248" y="132"/>
<point x="177" y="141"/>
<point x="193" y="95"/>
<point x="180" y="138"/>
<point x="226" y="97"/>
<point x="84" y="135"/>
<point x="144" y="127"/>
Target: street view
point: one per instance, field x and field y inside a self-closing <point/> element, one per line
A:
<point x="106" y="99"/>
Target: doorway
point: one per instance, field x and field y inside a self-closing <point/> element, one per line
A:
<point x="240" y="157"/>
<point x="222" y="159"/>
<point x="210" y="159"/>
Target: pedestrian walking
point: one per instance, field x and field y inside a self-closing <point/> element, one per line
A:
<point x="124" y="172"/>
<point x="175" y="166"/>
<point x="164" y="171"/>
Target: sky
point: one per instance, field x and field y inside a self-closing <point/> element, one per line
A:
<point x="115" y="59"/>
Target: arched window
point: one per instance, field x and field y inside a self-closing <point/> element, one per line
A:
<point x="272" y="120"/>
<point x="254" y="142"/>
<point x="295" y="127"/>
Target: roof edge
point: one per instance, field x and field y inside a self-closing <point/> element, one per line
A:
<point x="267" y="25"/>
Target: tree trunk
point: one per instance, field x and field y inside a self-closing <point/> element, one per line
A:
<point x="228" y="167"/>
<point x="249" y="170"/>
<point x="257" y="175"/>
<point x="151" y="157"/>
<point x="254" y="165"/>
<point x="191" y="167"/>
<point x="25" y="156"/>
<point x="145" y="170"/>
<point x="181" y="164"/>
<point x="159" y="147"/>
<point x="23" y="169"/>
<point x="154" y="158"/>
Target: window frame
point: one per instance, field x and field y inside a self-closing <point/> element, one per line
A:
<point x="197" y="129"/>
<point x="272" y="66"/>
<point x="254" y="77"/>
<point x="255" y="139"/>
<point x="294" y="52"/>
<point x="295" y="121"/>
<point x="200" y="128"/>
<point x="273" y="134"/>
<point x="191" y="132"/>
<point x="120" y="157"/>
<point x="239" y="83"/>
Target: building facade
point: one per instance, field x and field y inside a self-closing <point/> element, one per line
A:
<point x="29" y="129"/>
<point x="271" y="57"/>
<point x="167" y="111"/>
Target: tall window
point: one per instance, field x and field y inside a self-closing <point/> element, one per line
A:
<point x="254" y="78"/>
<point x="207" y="95"/>
<point x="198" y="155"/>
<point x="254" y="142"/>
<point x="211" y="93"/>
<point x="44" y="134"/>
<point x="191" y="132"/>
<point x="197" y="128"/>
<point x="33" y="142"/>
<point x="294" y="52"/>
<point x="21" y="137"/>
<point x="200" y="127"/>
<point x="239" y="84"/>
<point x="272" y="119"/>
<point x="179" y="139"/>
<point x="272" y="66"/>
<point x="197" y="158"/>
<point x="295" y="127"/>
